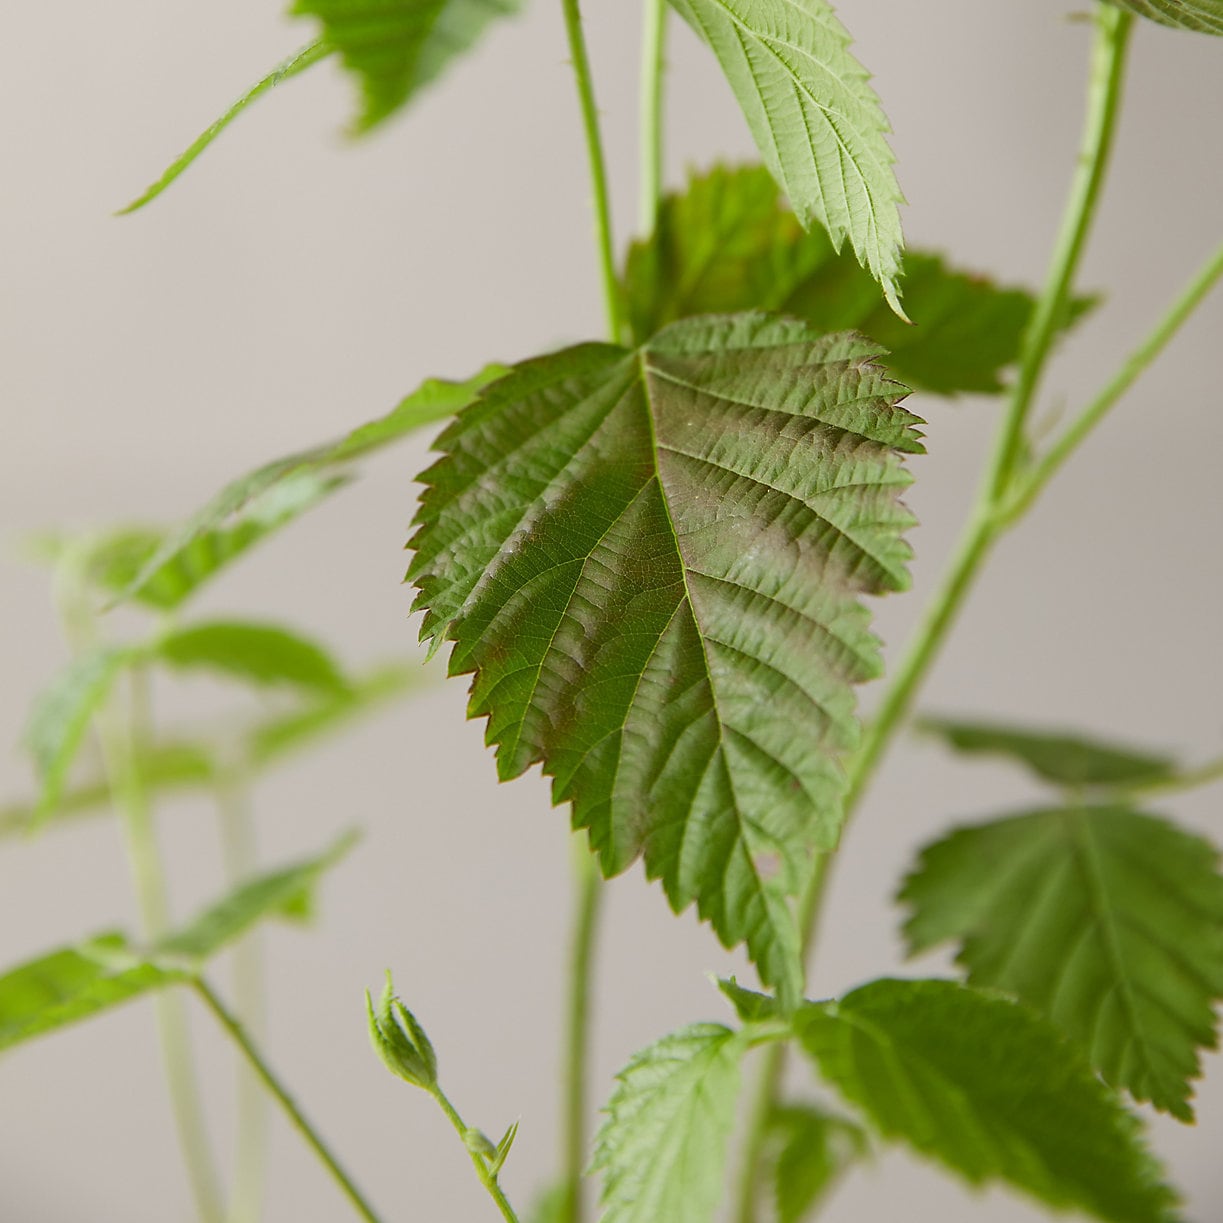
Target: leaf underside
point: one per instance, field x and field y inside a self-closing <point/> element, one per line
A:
<point x="1108" y="921"/>
<point x="727" y="243"/>
<point x="1202" y="16"/>
<point x="662" y="1148"/>
<point x="1063" y="758"/>
<point x="396" y="47"/>
<point x="990" y="1090"/>
<point x="652" y="560"/>
<point x="813" y="1149"/>
<point x="814" y="117"/>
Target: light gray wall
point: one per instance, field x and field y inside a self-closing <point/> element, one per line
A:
<point x="293" y="285"/>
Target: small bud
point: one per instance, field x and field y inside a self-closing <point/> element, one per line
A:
<point x="478" y="1143"/>
<point x="399" y="1040"/>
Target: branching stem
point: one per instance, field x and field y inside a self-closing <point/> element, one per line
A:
<point x="598" y="167"/>
<point x="487" y="1177"/>
<point x="238" y="1034"/>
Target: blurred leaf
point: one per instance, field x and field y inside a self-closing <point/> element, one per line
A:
<point x="396" y="47"/>
<point x="813" y="1150"/>
<point x="662" y="1147"/>
<point x="297" y="63"/>
<point x="1107" y="921"/>
<point x="1062" y="758"/>
<point x="989" y="1089"/>
<point x="256" y="653"/>
<point x="72" y="984"/>
<point x="750" y="1006"/>
<point x="162" y="767"/>
<point x="267" y="895"/>
<point x="814" y="117"/>
<point x="61" y="715"/>
<point x="1203" y="16"/>
<point x="727" y="244"/>
<point x="653" y="561"/>
<point x="248" y="508"/>
<point x="550" y="1206"/>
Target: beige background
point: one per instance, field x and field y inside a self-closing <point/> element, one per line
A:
<point x="293" y="285"/>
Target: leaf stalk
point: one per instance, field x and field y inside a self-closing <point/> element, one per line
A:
<point x="233" y="1027"/>
<point x="598" y="167"/>
<point x="488" y="1178"/>
<point x="653" y="73"/>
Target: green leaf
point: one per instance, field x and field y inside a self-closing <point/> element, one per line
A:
<point x="750" y="1006"/>
<point x="1060" y="757"/>
<point x="61" y="716"/>
<point x="815" y="119"/>
<point x="275" y="893"/>
<point x="274" y="738"/>
<point x="1203" y="16"/>
<point x="396" y="47"/>
<point x="271" y="496"/>
<point x="652" y="562"/>
<point x="263" y="654"/>
<point x="662" y="1148"/>
<point x="1108" y="921"/>
<point x="72" y="984"/>
<point x="813" y="1150"/>
<point x="297" y="63"/>
<point x="989" y="1089"/>
<point x="550" y="1206"/>
<point x="727" y="243"/>
<point x="162" y="767"/>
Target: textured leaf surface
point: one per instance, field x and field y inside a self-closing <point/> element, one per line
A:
<point x="296" y="64"/>
<point x="271" y="496"/>
<point x="396" y="47"/>
<point x="1060" y="757"/>
<point x="72" y="984"/>
<point x="727" y="244"/>
<point x="652" y="561"/>
<point x="260" y="654"/>
<point x="1204" y="16"/>
<point x="662" y="1148"/>
<point x="61" y="716"/>
<point x="814" y="117"/>
<point x="813" y="1150"/>
<point x="1108" y="921"/>
<point x="990" y="1090"/>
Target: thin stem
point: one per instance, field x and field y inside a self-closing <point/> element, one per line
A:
<point x="598" y="168"/>
<point x="487" y="1177"/>
<point x="653" y="70"/>
<point x="1105" y="89"/>
<point x="234" y="1028"/>
<point x="1031" y="485"/>
<point x="1190" y="779"/>
<point x="238" y="852"/>
<point x="574" y="1107"/>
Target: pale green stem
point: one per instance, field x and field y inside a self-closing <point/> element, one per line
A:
<point x="487" y="1177"/>
<point x="238" y="1034"/>
<point x="589" y="892"/>
<point x="238" y="852"/>
<point x="1104" y="95"/>
<point x="1189" y="779"/>
<point x="1031" y="484"/>
<point x="598" y="168"/>
<point x="119" y="731"/>
<point x="653" y="72"/>
<point x="1105" y="88"/>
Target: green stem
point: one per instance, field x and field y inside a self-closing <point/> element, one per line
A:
<point x="487" y="1177"/>
<point x="574" y="1108"/>
<point x="598" y="168"/>
<point x="1031" y="485"/>
<point x="1190" y="779"/>
<point x="240" y="1037"/>
<point x="240" y="859"/>
<point x="1105" y="87"/>
<point x="653" y="71"/>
